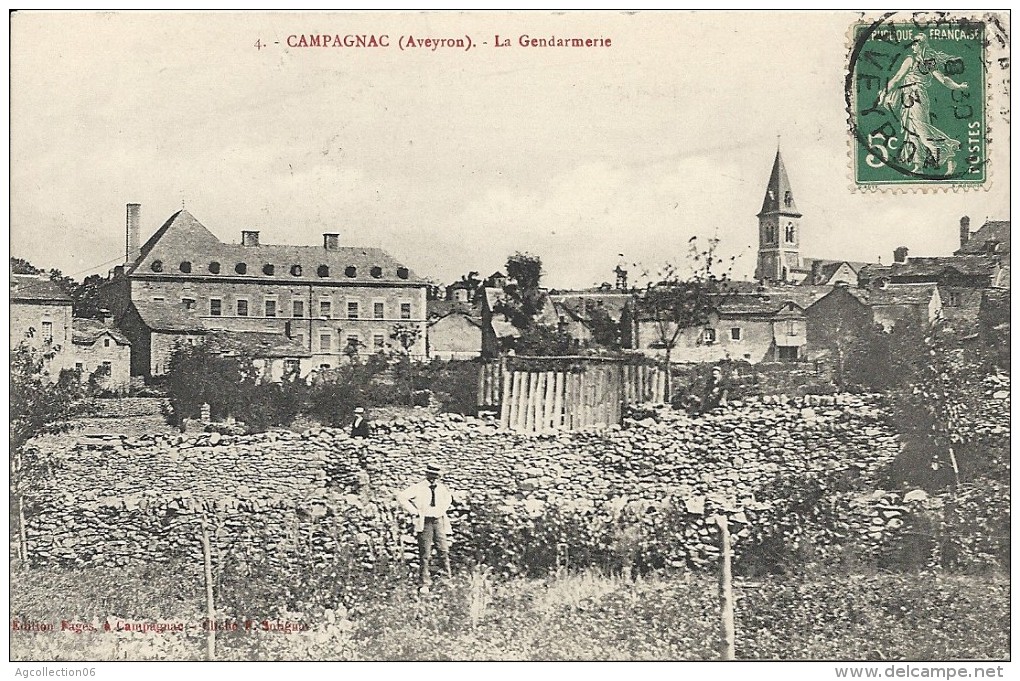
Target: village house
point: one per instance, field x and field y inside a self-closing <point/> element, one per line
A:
<point x="454" y="330"/>
<point x="578" y="312"/>
<point x="333" y="301"/>
<point x="41" y="316"/>
<point x="103" y="352"/>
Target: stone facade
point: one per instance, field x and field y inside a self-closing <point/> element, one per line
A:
<point x="96" y="347"/>
<point x="455" y="336"/>
<point x="40" y="315"/>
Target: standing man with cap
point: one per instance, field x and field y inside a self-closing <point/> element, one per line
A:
<point x="428" y="501"/>
<point x="360" y="427"/>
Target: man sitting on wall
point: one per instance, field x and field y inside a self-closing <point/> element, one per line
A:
<point x="360" y="427"/>
<point x="716" y="391"/>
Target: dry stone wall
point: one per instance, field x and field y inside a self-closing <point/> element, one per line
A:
<point x="323" y="492"/>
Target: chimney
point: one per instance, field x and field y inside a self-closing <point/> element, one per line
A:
<point x="964" y="231"/>
<point x="134" y="232"/>
<point x="900" y="254"/>
<point x="331" y="242"/>
<point x="249" y="238"/>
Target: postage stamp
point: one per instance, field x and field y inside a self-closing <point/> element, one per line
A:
<point x="916" y="97"/>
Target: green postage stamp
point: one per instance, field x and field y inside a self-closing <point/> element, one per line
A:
<point x="916" y="97"/>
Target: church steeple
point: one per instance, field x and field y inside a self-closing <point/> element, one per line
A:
<point x="779" y="194"/>
<point x="778" y="229"/>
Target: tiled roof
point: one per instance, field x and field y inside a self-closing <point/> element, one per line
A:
<point x="580" y="303"/>
<point x="166" y="317"/>
<point x="31" y="288"/>
<point x="258" y="344"/>
<point x="185" y="243"/>
<point x="88" y="331"/>
<point x="901" y="294"/>
<point x="992" y="232"/>
<point x="437" y="309"/>
<point x="934" y="267"/>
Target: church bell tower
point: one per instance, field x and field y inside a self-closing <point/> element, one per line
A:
<point x="778" y="228"/>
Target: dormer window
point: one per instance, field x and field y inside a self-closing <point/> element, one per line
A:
<point x="402" y="272"/>
<point x="241" y="268"/>
<point x="268" y="270"/>
<point x="157" y="265"/>
<point x="376" y="271"/>
<point x="214" y="267"/>
<point x="186" y="267"/>
<point x="322" y="271"/>
<point x="351" y="271"/>
<point x="295" y="270"/>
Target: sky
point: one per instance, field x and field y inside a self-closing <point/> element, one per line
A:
<point x="453" y="159"/>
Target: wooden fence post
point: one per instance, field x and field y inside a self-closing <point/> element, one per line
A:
<point x="726" y="629"/>
<point x="504" y="407"/>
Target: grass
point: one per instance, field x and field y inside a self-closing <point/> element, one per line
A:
<point x="584" y="616"/>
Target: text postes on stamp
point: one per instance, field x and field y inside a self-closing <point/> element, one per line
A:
<point x="916" y="97"/>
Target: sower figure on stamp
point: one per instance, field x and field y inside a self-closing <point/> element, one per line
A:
<point x="429" y="500"/>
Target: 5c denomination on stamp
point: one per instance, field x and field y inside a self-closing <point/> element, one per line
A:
<point x="916" y="97"/>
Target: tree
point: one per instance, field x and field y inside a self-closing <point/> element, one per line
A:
<point x="605" y="331"/>
<point x="936" y="402"/>
<point x="526" y="297"/>
<point x="679" y="301"/>
<point x="38" y="406"/>
<point x="85" y="296"/>
<point x="407" y="335"/>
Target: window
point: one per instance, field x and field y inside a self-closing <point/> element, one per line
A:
<point x="405" y="310"/>
<point x="353" y="343"/>
<point x="953" y="299"/>
<point x="242" y="307"/>
<point x="214" y="267"/>
<point x="186" y="267"/>
<point x="241" y="268"/>
<point x="351" y="271"/>
<point x="788" y="199"/>
<point x="106" y="342"/>
<point x="158" y="299"/>
<point x="402" y="272"/>
<point x="325" y="342"/>
<point x="188" y="303"/>
<point x="791" y="328"/>
<point x="295" y="270"/>
<point x="791" y="233"/>
<point x="157" y="265"/>
<point x="79" y="367"/>
<point x="108" y="366"/>
<point x="215" y="307"/>
<point x="325" y="308"/>
<point x="379" y="310"/>
<point x="788" y="352"/>
<point x="352" y="309"/>
<point x="379" y="341"/>
<point x="299" y="308"/>
<point x="708" y="335"/>
<point x="735" y="333"/>
<point x="322" y="271"/>
<point x="268" y="270"/>
<point x="376" y="271"/>
<point x="270" y="308"/>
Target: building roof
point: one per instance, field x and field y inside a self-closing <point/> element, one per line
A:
<point x="991" y="237"/>
<point x="168" y="318"/>
<point x="257" y="344"/>
<point x="933" y="267"/>
<point x="88" y="331"/>
<point x="898" y="294"/>
<point x="438" y="309"/>
<point x="823" y="269"/>
<point x="779" y="194"/>
<point x="34" y="288"/>
<point x="183" y="240"/>
<point x="758" y="305"/>
<point x="580" y="303"/>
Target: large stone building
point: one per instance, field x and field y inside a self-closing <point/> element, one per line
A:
<point x="329" y="302"/>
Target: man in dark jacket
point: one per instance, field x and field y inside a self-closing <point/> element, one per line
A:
<point x="360" y="427"/>
<point x="716" y="391"/>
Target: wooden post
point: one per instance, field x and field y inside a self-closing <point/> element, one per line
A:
<point x="515" y="392"/>
<point x="482" y="370"/>
<point x="210" y="601"/>
<point x="550" y="397"/>
<point x="504" y="407"/>
<point x="529" y="405"/>
<point x="557" y="419"/>
<point x="726" y="632"/>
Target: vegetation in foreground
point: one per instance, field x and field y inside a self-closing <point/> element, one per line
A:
<point x="570" y="616"/>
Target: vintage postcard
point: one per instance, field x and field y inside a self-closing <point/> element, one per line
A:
<point x="511" y="336"/>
